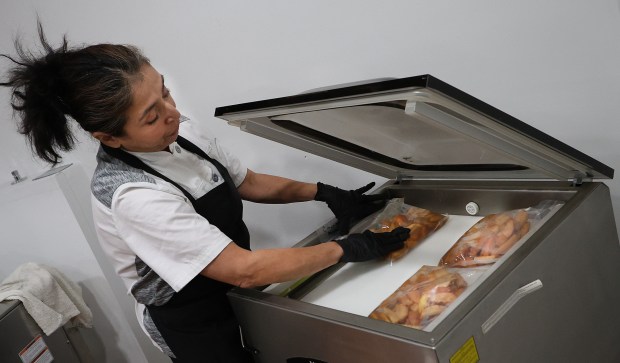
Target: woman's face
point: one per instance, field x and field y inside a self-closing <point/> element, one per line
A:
<point x="152" y="119"/>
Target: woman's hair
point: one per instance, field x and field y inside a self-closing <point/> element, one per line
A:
<point x="91" y="84"/>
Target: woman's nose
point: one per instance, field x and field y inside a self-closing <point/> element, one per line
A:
<point x="172" y="114"/>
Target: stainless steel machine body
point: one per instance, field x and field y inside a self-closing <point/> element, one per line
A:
<point x="552" y="298"/>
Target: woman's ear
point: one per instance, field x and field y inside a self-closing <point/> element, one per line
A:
<point x="107" y="139"/>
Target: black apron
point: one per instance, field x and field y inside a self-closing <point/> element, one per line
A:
<point x="198" y="322"/>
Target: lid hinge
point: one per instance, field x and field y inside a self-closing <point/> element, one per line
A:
<point x="580" y="178"/>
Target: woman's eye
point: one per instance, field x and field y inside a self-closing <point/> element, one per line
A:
<point x="152" y="121"/>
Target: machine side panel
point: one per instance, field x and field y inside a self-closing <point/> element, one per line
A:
<point x="574" y="317"/>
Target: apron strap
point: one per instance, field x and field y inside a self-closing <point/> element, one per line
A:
<point x="187" y="145"/>
<point x="134" y="161"/>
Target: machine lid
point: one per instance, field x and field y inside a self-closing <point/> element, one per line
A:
<point x="416" y="127"/>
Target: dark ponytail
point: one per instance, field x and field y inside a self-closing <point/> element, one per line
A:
<point x="91" y="85"/>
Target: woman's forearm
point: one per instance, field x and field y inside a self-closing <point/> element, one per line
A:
<point x="244" y="268"/>
<point x="264" y="188"/>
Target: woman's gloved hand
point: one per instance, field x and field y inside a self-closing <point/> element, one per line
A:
<point x="359" y="247"/>
<point x="349" y="205"/>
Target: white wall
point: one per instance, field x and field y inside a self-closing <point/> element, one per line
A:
<point x="38" y="225"/>
<point x="554" y="65"/>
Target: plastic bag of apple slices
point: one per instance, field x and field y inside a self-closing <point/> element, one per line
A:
<point x="421" y="223"/>
<point x="492" y="236"/>
<point x="425" y="295"/>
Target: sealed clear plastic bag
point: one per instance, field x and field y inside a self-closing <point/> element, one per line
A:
<point x="425" y="295"/>
<point x="491" y="237"/>
<point x="421" y="223"/>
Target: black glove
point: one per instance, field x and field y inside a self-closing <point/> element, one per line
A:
<point x="359" y="247"/>
<point x="349" y="205"/>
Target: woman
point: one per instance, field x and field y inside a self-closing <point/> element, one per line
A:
<point x="167" y="202"/>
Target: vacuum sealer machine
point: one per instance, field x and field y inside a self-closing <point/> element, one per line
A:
<point x="552" y="297"/>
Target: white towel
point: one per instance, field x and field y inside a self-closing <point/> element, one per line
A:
<point x="49" y="296"/>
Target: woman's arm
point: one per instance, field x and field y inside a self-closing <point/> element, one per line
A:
<point x="264" y="188"/>
<point x="243" y="268"/>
